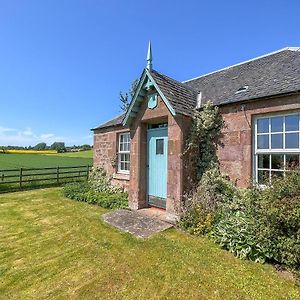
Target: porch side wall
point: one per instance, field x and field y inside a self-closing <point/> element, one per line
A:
<point x="138" y="167"/>
<point x="236" y="154"/>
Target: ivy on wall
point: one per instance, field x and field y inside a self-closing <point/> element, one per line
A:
<point x="201" y="148"/>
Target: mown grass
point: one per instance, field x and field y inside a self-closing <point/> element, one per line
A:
<point x="55" y="248"/>
<point x="10" y="161"/>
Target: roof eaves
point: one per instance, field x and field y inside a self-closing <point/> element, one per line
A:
<point x="103" y="125"/>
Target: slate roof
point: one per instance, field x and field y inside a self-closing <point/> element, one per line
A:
<point x="273" y="74"/>
<point x="269" y="75"/>
<point x="181" y="96"/>
<point x="111" y="123"/>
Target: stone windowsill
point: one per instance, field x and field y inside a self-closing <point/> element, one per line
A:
<point x="121" y="176"/>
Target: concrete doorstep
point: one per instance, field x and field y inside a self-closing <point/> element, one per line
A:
<point x="139" y="224"/>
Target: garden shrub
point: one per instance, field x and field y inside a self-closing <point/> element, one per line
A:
<point x="236" y="232"/>
<point x="278" y="218"/>
<point x="198" y="220"/>
<point x="101" y="182"/>
<point x="199" y="207"/>
<point x="256" y="224"/>
<point x="76" y="190"/>
<point x="98" y="190"/>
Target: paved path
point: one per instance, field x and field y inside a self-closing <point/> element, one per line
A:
<point x="138" y="224"/>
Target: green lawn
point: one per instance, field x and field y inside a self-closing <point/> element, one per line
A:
<point x="11" y="161"/>
<point x="55" y="248"/>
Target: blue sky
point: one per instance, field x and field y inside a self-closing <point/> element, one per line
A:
<point x="63" y="63"/>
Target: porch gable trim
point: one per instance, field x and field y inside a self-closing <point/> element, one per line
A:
<point x="137" y="99"/>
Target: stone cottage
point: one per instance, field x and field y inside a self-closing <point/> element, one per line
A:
<point x="260" y="103"/>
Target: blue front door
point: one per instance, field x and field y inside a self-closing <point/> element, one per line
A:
<point x="157" y="166"/>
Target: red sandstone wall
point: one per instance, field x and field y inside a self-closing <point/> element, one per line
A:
<point x="236" y="154"/>
<point x="105" y="151"/>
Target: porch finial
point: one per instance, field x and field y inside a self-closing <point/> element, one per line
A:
<point x="149" y="58"/>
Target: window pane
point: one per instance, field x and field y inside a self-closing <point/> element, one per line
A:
<point x="263" y="141"/>
<point x="124" y="162"/>
<point x="122" y="166"/>
<point x="124" y="142"/>
<point x="126" y="147"/>
<point x="277" y="124"/>
<point x="292" y="140"/>
<point x="277" y="161"/>
<point x="277" y="141"/>
<point x="292" y="161"/>
<point x="292" y="123"/>
<point x="263" y="177"/>
<point x="264" y="161"/>
<point x="125" y="157"/>
<point x="159" y="146"/>
<point x="263" y="125"/>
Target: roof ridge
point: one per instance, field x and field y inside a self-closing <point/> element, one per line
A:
<point x="244" y="62"/>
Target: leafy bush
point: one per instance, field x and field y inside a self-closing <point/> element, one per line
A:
<point x="76" y="190"/>
<point x="236" y="233"/>
<point x="256" y="224"/>
<point x="278" y="218"/>
<point x="106" y="200"/>
<point x="197" y="221"/>
<point x="98" y="190"/>
<point x="198" y="210"/>
<point x="101" y="182"/>
<point x="81" y="191"/>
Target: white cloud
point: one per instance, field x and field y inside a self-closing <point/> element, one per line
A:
<point x="27" y="137"/>
<point x="47" y="135"/>
<point x="27" y="132"/>
<point x="4" y="129"/>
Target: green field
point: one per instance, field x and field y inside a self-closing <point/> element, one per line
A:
<point x="55" y="248"/>
<point x="12" y="161"/>
<point x="82" y="154"/>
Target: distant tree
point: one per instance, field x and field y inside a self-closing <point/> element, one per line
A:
<point x="85" y="147"/>
<point x="40" y="146"/>
<point x="58" y="146"/>
<point x="126" y="98"/>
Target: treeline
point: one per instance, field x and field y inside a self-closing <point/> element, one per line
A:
<point x="58" y="146"/>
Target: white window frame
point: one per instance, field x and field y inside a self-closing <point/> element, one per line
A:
<point x="120" y="152"/>
<point x="284" y="151"/>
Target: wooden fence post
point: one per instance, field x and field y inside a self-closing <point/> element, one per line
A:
<point x="87" y="172"/>
<point x="57" y="174"/>
<point x="21" y="174"/>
